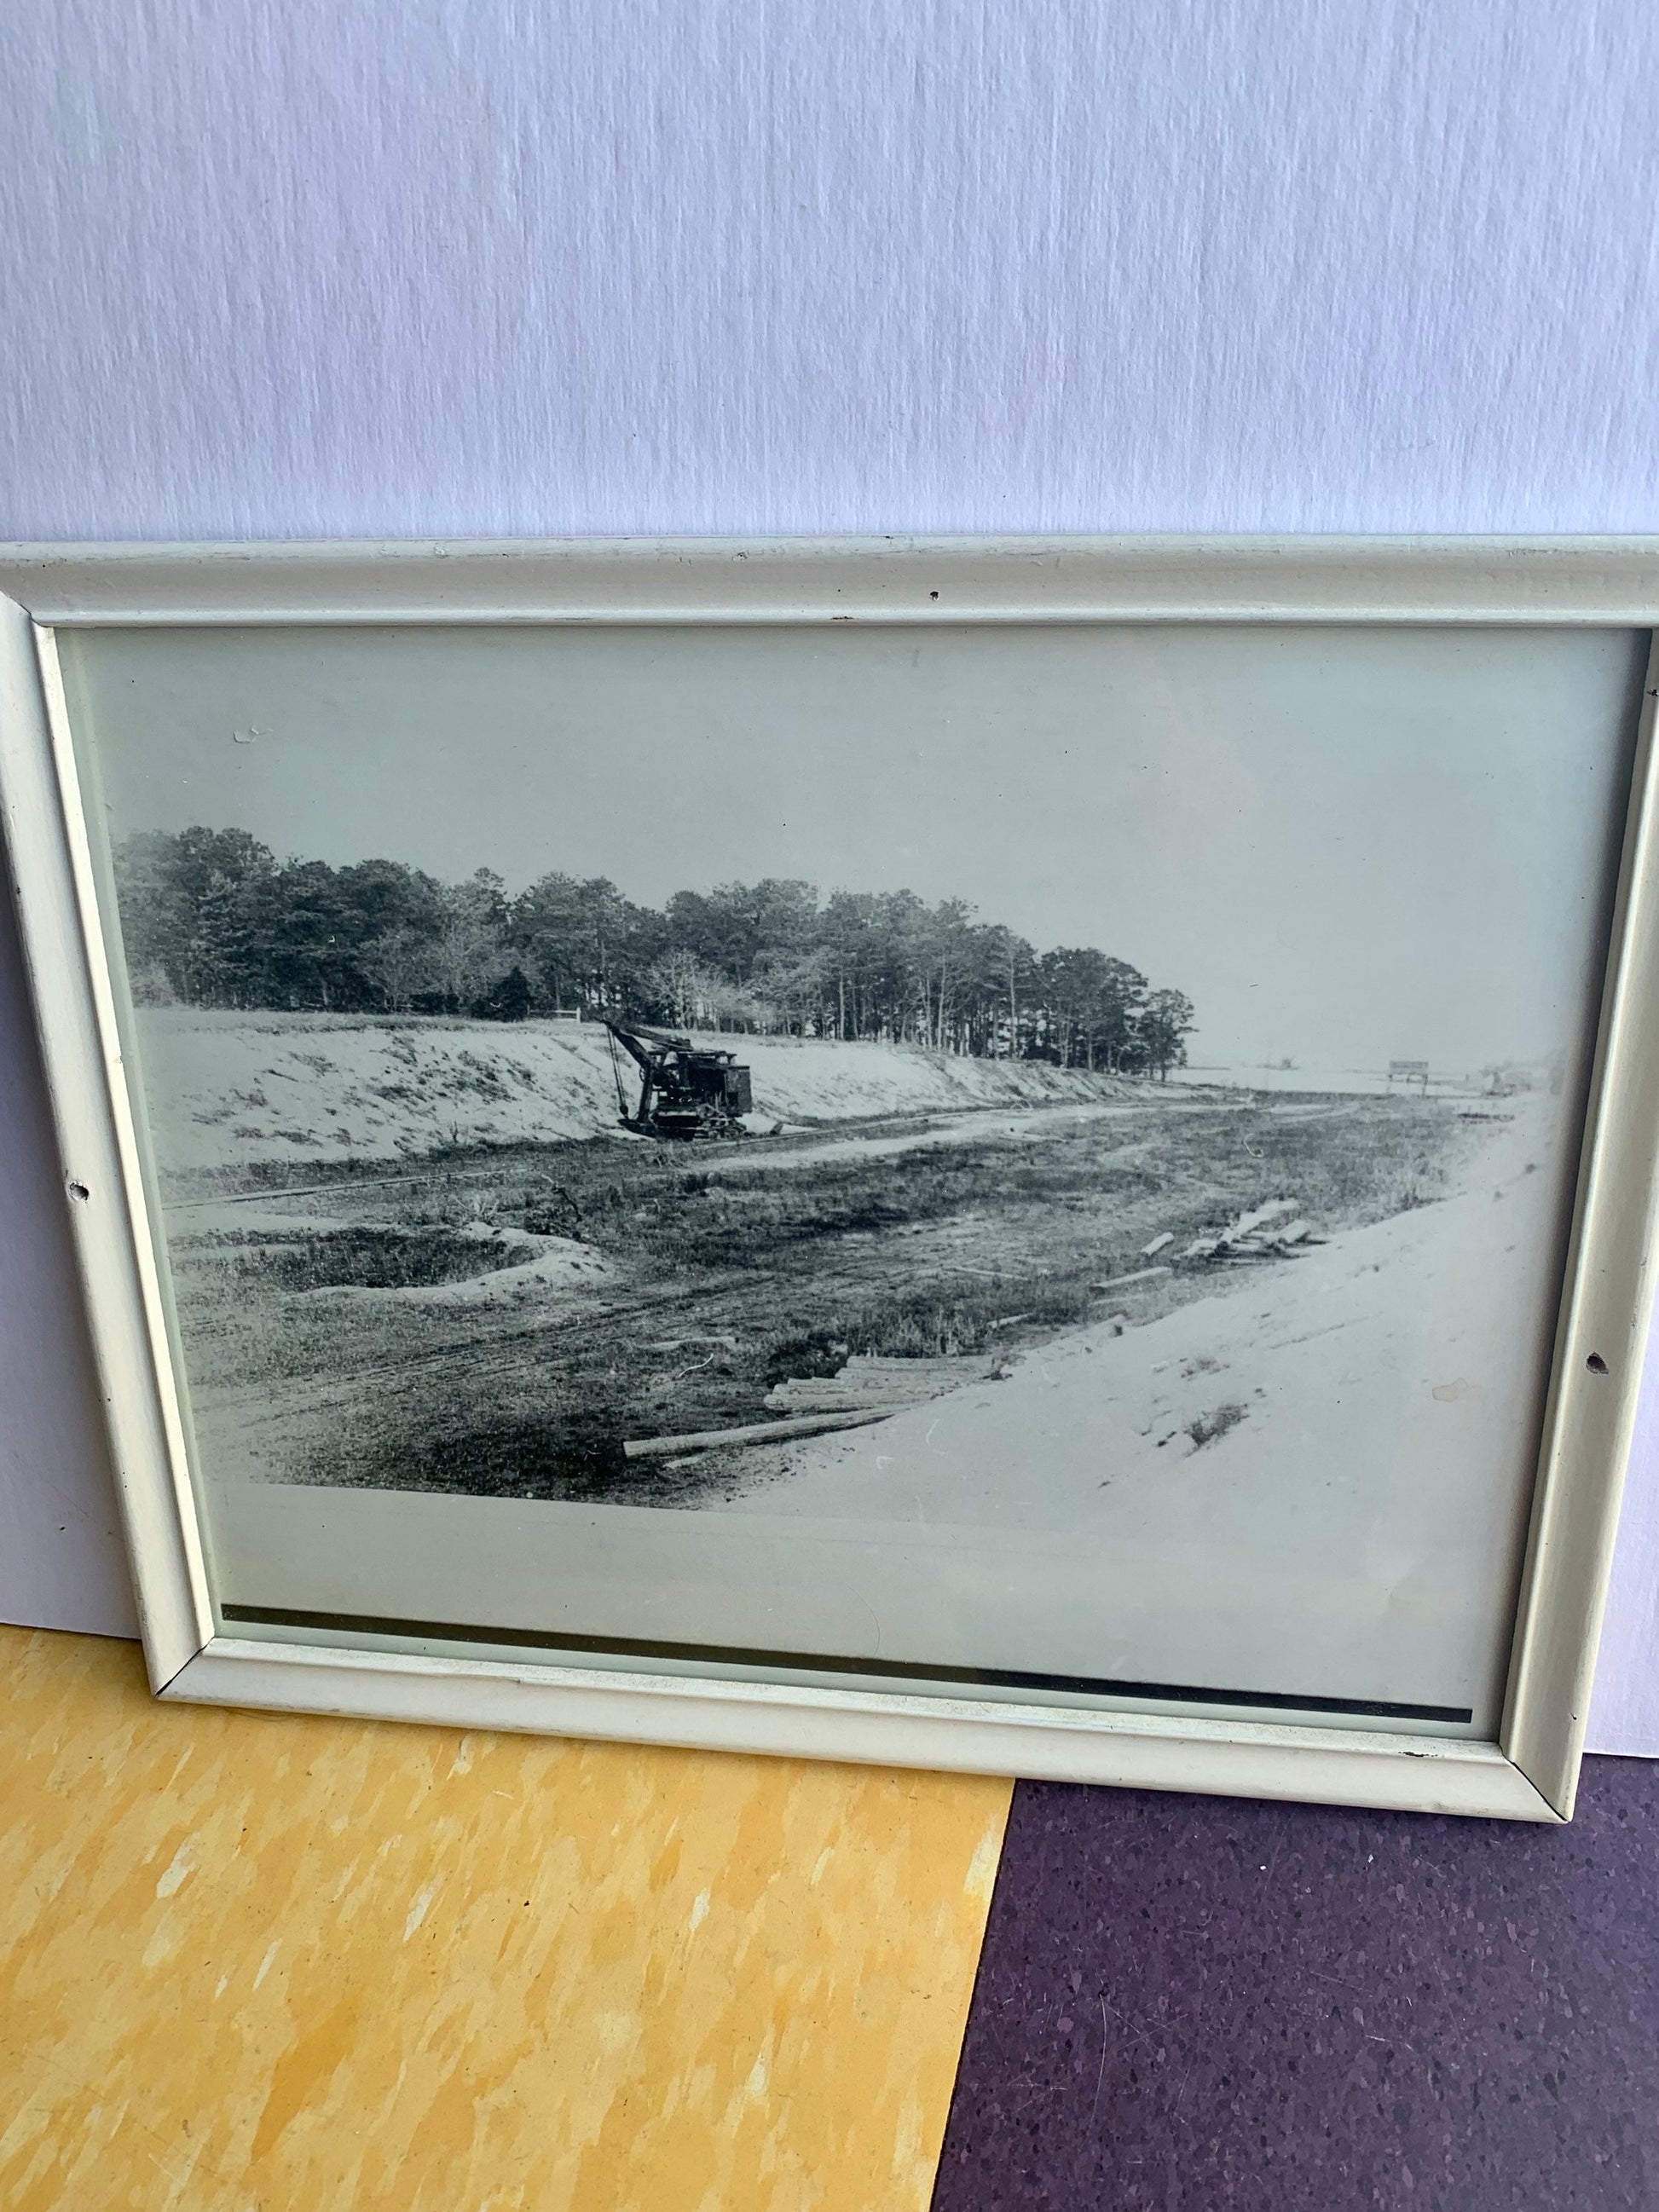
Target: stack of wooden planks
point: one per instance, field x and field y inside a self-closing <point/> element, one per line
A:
<point x="1261" y="1234"/>
<point x="867" y="1388"/>
<point x="869" y="1384"/>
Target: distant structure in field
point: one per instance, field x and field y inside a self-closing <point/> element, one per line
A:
<point x="1407" y="1072"/>
<point x="1503" y="1081"/>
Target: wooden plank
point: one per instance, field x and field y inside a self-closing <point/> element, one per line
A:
<point x="756" y="1433"/>
<point x="1293" y="1233"/>
<point x="845" y="1402"/>
<point x="871" y="1390"/>
<point x="1158" y="1244"/>
<point x="833" y="1394"/>
<point x="1121" y="1282"/>
<point x="871" y="1362"/>
<point x="1247" y="1224"/>
<point x="882" y="1405"/>
<point x="874" y="1406"/>
<point x="1248" y="1237"/>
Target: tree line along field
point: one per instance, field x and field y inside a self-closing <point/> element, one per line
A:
<point x="723" y="1277"/>
<point x="212" y="918"/>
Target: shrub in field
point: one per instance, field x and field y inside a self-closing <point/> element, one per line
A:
<point x="1209" y="1426"/>
<point x="366" y="1259"/>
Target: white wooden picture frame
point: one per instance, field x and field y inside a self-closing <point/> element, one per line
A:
<point x="1526" y="1768"/>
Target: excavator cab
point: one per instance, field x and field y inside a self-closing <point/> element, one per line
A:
<point x="686" y="1090"/>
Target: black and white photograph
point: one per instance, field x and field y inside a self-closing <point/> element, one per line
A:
<point x="1031" y="1156"/>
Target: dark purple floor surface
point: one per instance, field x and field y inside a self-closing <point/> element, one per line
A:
<point x="1190" y="2004"/>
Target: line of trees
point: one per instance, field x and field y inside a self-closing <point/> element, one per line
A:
<point x="212" y="918"/>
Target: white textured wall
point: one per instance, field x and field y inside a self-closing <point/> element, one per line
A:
<point x="318" y="268"/>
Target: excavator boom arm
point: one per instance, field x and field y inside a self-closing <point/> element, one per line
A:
<point x="630" y="1041"/>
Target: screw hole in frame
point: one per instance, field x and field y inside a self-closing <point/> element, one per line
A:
<point x="1596" y="1365"/>
<point x="79" y="1192"/>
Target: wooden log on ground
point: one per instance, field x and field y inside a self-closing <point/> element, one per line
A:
<point x="871" y="1392"/>
<point x="876" y="1362"/>
<point x="846" y="1403"/>
<point x="1122" y="1282"/>
<point x="1248" y="1224"/>
<point x="755" y="1432"/>
<point x="1294" y="1232"/>
<point x="871" y="1383"/>
<point x="1248" y="1230"/>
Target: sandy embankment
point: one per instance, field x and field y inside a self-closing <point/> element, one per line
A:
<point x="1349" y="1431"/>
<point x="1400" y="1312"/>
<point x="225" y="1090"/>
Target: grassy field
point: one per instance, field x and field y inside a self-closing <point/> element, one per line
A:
<point x="722" y="1278"/>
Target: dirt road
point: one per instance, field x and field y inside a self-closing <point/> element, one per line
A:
<point x="1027" y="1126"/>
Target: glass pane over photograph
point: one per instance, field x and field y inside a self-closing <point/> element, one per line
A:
<point x="1031" y="1162"/>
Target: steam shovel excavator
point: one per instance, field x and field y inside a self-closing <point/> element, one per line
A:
<point x="685" y="1091"/>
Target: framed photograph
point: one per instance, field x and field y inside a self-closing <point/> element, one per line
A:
<point x="1029" y="1157"/>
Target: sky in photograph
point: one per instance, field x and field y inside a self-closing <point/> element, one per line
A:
<point x="1347" y="846"/>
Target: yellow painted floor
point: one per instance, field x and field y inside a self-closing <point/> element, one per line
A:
<point x="252" y="1963"/>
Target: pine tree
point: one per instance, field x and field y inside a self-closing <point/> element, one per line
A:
<point x="508" y="1000"/>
